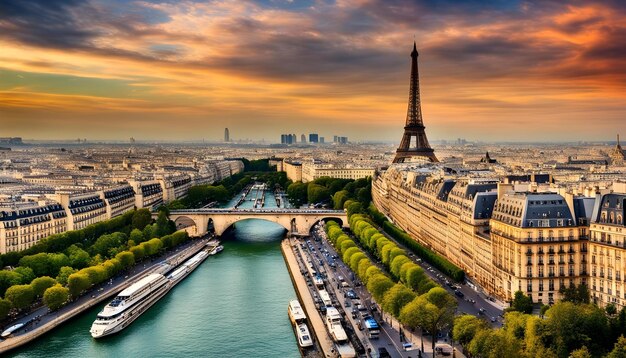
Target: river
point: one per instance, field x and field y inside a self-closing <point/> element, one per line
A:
<point x="233" y="305"/>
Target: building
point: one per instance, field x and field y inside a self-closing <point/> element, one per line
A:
<point x="312" y="170"/>
<point x="607" y="247"/>
<point x="313" y="138"/>
<point x="505" y="240"/>
<point x="539" y="245"/>
<point x="175" y="187"/>
<point x="293" y="170"/>
<point x="148" y="194"/>
<point x="302" y="139"/>
<point x="226" y="135"/>
<point x="322" y="140"/>
<point x="118" y="200"/>
<point x="82" y="209"/>
<point x="24" y="227"/>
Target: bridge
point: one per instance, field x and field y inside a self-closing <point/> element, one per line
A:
<point x="299" y="222"/>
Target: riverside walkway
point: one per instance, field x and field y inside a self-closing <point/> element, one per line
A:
<point x="42" y="321"/>
<point x="316" y="323"/>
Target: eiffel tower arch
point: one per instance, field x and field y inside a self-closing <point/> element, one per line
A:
<point x="414" y="142"/>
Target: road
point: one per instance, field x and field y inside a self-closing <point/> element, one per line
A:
<point x="493" y="309"/>
<point x="320" y="251"/>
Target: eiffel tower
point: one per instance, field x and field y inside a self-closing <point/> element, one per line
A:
<point x="414" y="125"/>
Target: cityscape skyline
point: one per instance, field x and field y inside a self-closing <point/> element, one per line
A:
<point x="519" y="72"/>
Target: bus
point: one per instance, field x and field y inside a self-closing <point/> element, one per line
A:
<point x="325" y="297"/>
<point x="371" y="327"/>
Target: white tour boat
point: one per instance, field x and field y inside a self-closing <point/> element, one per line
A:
<point x="129" y="304"/>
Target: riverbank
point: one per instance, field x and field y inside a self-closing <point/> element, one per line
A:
<point x="316" y="323"/>
<point x="47" y="322"/>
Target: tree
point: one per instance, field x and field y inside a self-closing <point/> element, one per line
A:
<point x="8" y="279"/>
<point x="521" y="303"/>
<point x="396" y="264"/>
<point x="583" y="352"/>
<point x="138" y="251"/>
<point x="106" y="242"/>
<point x="466" y="327"/>
<point x="77" y="283"/>
<point x="414" y="278"/>
<point x="297" y="193"/>
<point x="41" y="284"/>
<point x="64" y="273"/>
<point x="78" y="257"/>
<point x="21" y="296"/>
<point x="5" y="308"/>
<point x="397" y="297"/>
<point x="317" y="193"/>
<point x="126" y="259"/>
<point x="378" y="285"/>
<point x="340" y="198"/>
<point x="141" y="218"/>
<point x="39" y="263"/>
<point x="26" y="274"/>
<point x="619" y="349"/>
<point x="571" y="326"/>
<point x="432" y="311"/>
<point x="162" y="227"/>
<point x="136" y="236"/>
<point x="55" y="297"/>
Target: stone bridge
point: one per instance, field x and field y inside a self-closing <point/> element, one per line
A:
<point x="197" y="222"/>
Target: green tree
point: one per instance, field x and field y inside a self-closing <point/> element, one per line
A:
<point x="397" y="297"/>
<point x="55" y="297"/>
<point x="521" y="303"/>
<point x="584" y="353"/>
<point x="64" y="273"/>
<point x="21" y="296"/>
<point x="297" y="193"/>
<point x="162" y="227"/>
<point x="138" y="251"/>
<point x="26" y="274"/>
<point x="466" y="327"/>
<point x="432" y="311"/>
<point x="340" y="198"/>
<point x="78" y="257"/>
<point x="396" y="264"/>
<point x="41" y="284"/>
<point x="8" y="279"/>
<point x="39" y="263"/>
<point x="136" y="236"/>
<point x="317" y="193"/>
<point x="377" y="285"/>
<point x="573" y="325"/>
<point x="126" y="259"/>
<point x="106" y="242"/>
<point x="141" y="218"/>
<point x="77" y="283"/>
<point x="5" y="308"/>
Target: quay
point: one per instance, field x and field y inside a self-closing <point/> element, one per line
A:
<point x="315" y="321"/>
<point x="48" y="321"/>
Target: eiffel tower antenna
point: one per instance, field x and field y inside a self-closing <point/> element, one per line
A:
<point x="414" y="127"/>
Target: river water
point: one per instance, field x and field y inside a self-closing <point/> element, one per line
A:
<point x="233" y="305"/>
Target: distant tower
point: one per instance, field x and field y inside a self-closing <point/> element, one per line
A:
<point x="414" y="125"/>
<point x="226" y="135"/>
<point x="302" y="138"/>
<point x="295" y="139"/>
<point x="618" y="157"/>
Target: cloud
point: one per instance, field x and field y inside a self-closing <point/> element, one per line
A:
<point x="340" y="62"/>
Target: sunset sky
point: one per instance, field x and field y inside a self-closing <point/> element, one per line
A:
<point x="184" y="70"/>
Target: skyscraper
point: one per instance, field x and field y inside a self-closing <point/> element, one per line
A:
<point x="414" y="124"/>
<point x="226" y="135"/>
<point x="302" y="139"/>
<point x="313" y="138"/>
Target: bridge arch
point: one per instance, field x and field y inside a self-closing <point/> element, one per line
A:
<point x="295" y="221"/>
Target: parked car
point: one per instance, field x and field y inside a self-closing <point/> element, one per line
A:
<point x="383" y="353"/>
<point x="459" y="293"/>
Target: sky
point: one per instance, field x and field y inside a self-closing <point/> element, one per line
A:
<point x="184" y="70"/>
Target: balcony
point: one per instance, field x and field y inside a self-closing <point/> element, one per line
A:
<point x="540" y="275"/>
<point x="529" y="252"/>
<point x="583" y="249"/>
<point x="551" y="274"/>
<point x="561" y="251"/>
<point x="551" y="262"/>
